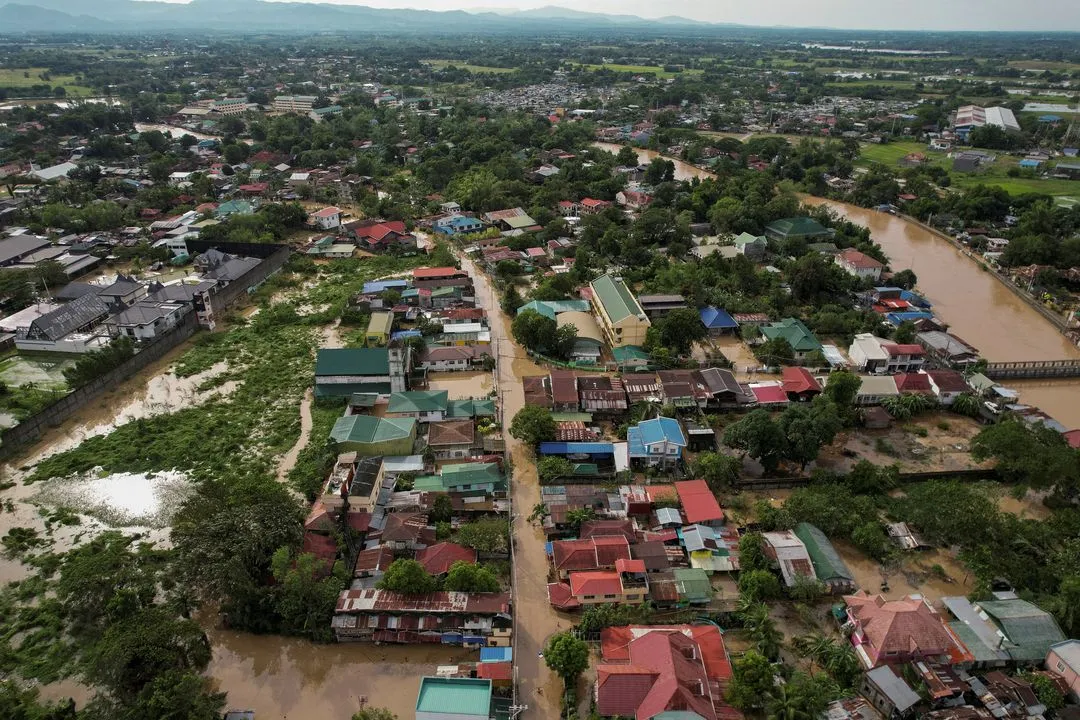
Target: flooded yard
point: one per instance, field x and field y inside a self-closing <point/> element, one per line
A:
<point x="934" y="573"/>
<point x="41" y="370"/>
<point x="933" y="442"/>
<point x="462" y="385"/>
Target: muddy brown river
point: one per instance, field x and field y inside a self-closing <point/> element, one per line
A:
<point x="977" y="306"/>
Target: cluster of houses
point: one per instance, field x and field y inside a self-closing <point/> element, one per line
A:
<point x="85" y="316"/>
<point x="400" y="449"/>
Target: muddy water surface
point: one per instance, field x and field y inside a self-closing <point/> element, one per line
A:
<point x="462" y="385"/>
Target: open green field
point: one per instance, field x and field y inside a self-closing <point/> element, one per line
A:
<point x="440" y="64"/>
<point x="28" y="77"/>
<point x="642" y="69"/>
<point x="996" y="175"/>
<point x="1044" y="65"/>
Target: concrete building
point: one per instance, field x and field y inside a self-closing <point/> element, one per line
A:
<point x="859" y="264"/>
<point x="294" y="103"/>
<point x="619" y="314"/>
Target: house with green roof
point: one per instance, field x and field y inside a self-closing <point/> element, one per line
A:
<point x="341" y="372"/>
<point x="454" y="698"/>
<point x="370" y="436"/>
<point x="233" y="207"/>
<point x="421" y="405"/>
<point x="621" y="318"/>
<point x="551" y="308"/>
<point x="828" y="566"/>
<point x="693" y="586"/>
<point x="474" y="408"/>
<point x="797" y="227"/>
<point x="474" y="478"/>
<point x="1027" y="631"/>
<point x="802" y="341"/>
<point x="752" y="246"/>
<point x="630" y="357"/>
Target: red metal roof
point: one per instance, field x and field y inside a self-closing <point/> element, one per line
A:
<point x="799" y="380"/>
<point x="495" y="670"/>
<point x="562" y="597"/>
<point x="564" y="387"/>
<point x="895" y="349"/>
<point x="948" y="380"/>
<point x="438" y="272"/>
<point x="769" y="394"/>
<point x="1073" y="438"/>
<point x="574" y="555"/>
<point x="437" y="559"/>
<point x="629" y="566"/>
<point x="698" y="502"/>
<point x="597" y="583"/>
<point x="913" y="383"/>
<point x="859" y="260"/>
<point x="368" y="601"/>
<point x="611" y="549"/>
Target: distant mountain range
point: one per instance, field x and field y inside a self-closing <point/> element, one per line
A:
<point x="111" y="16"/>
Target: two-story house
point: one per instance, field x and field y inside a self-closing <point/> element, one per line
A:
<point x="659" y="441"/>
<point x="859" y="264"/>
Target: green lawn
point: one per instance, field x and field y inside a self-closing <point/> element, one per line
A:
<point x="1044" y="65"/>
<point x="642" y="69"/>
<point x="440" y="64"/>
<point x="28" y="77"/>
<point x="890" y="153"/>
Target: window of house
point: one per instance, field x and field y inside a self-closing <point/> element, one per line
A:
<point x="608" y="597"/>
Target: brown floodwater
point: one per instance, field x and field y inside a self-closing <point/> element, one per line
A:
<point x="462" y="385"/>
<point x="977" y="306"/>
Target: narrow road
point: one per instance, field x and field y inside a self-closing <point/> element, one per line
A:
<point x="288" y="462"/>
<point x="538" y="687"/>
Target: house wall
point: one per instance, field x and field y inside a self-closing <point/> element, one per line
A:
<point x="1056" y="665"/>
<point x="636" y="596"/>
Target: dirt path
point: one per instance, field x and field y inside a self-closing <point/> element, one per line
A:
<point x="288" y="462"/>
<point x="534" y="618"/>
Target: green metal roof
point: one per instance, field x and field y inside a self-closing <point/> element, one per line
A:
<point x="626" y="353"/>
<point x="470" y="474"/>
<point x="551" y="308"/>
<point x="618" y="302"/>
<point x="454" y="696"/>
<point x="1030" y="629"/>
<point x="352" y="361"/>
<point x="748" y="239"/>
<point x="519" y="222"/>
<point x="798" y="335"/>
<point x="973" y="642"/>
<point x="470" y="408"/>
<point x="418" y="401"/>
<point x="446" y="292"/>
<point x="827" y="562"/>
<point x="693" y="584"/>
<point x="368" y="429"/>
<point x="797" y="227"/>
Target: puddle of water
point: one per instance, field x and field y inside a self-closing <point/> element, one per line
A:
<point x="462" y="385"/>
<point x="120" y="499"/>
<point x="288" y="678"/>
<point x="916" y="574"/>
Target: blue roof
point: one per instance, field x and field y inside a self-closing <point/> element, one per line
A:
<point x="1028" y="163"/>
<point x="378" y="286"/>
<point x="577" y="448"/>
<point x="1050" y="118"/>
<point x="402" y="334"/>
<point x="715" y="318"/>
<point x="895" y="318"/>
<point x="915" y="299"/>
<point x="496" y="654"/>
<point x="634" y="446"/>
<point x="660" y="429"/>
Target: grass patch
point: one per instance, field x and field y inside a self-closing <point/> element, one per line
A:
<point x="460" y="65"/>
<point x="890" y="153"/>
<point x="28" y="77"/>
<point x="643" y="70"/>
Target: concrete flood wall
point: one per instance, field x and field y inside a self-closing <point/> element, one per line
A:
<point x="273" y="256"/>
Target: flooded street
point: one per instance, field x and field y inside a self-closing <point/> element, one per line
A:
<point x="534" y="619"/>
<point x="462" y="385"/>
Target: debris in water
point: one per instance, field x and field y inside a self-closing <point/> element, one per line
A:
<point x="121" y="499"/>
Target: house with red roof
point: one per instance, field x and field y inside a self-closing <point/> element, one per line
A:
<point x="437" y="277"/>
<point x="253" y="189"/>
<point x="375" y="236"/>
<point x="947" y="385"/>
<point x="893" y="632"/>
<point x="326" y="219"/>
<point x="769" y="394"/>
<point x="799" y="385"/>
<point x="633" y="199"/>
<point x="699" y="504"/>
<point x="439" y="558"/>
<point x="646" y="671"/>
<point x="917" y="383"/>
<point x="594" y="553"/>
<point x="1073" y="438"/>
<point x="591" y="206"/>
<point x="903" y="357"/>
<point x="859" y="264"/>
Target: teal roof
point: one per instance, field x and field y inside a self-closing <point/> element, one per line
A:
<point x="418" y="401"/>
<point x="470" y="408"/>
<point x="617" y="300"/>
<point x="693" y="584"/>
<point x="973" y="642"/>
<point x="368" y="429"/>
<point x="551" y="308"/>
<point x="1030" y="629"/>
<point x="362" y="362"/>
<point x="234" y="207"/>
<point x="626" y="353"/>
<point x="454" y="696"/>
<point x="446" y="292"/>
<point x="827" y="563"/>
<point x="748" y="239"/>
<point x="795" y="332"/>
<point x="470" y="474"/>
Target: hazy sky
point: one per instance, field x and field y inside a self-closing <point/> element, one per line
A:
<point x="883" y="14"/>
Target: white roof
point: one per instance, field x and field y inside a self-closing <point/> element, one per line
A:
<point x="54" y="172"/>
<point x="453" y="328"/>
<point x="870" y="346"/>
<point x="299" y="176"/>
<point x="1003" y="118"/>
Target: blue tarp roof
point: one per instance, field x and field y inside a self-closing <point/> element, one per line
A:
<point x="1028" y="163"/>
<point x="576" y="448"/>
<point x="896" y="318"/>
<point x="715" y="318"/>
<point x="378" y="286"/>
<point x="496" y="654"/>
<point x="915" y="299"/>
<point x="1050" y="118"/>
<point x="402" y="334"/>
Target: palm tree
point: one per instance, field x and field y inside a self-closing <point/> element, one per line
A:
<point x="815" y="646"/>
<point x="784" y="703"/>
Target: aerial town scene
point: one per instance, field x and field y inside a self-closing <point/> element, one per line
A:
<point x="417" y="360"/>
